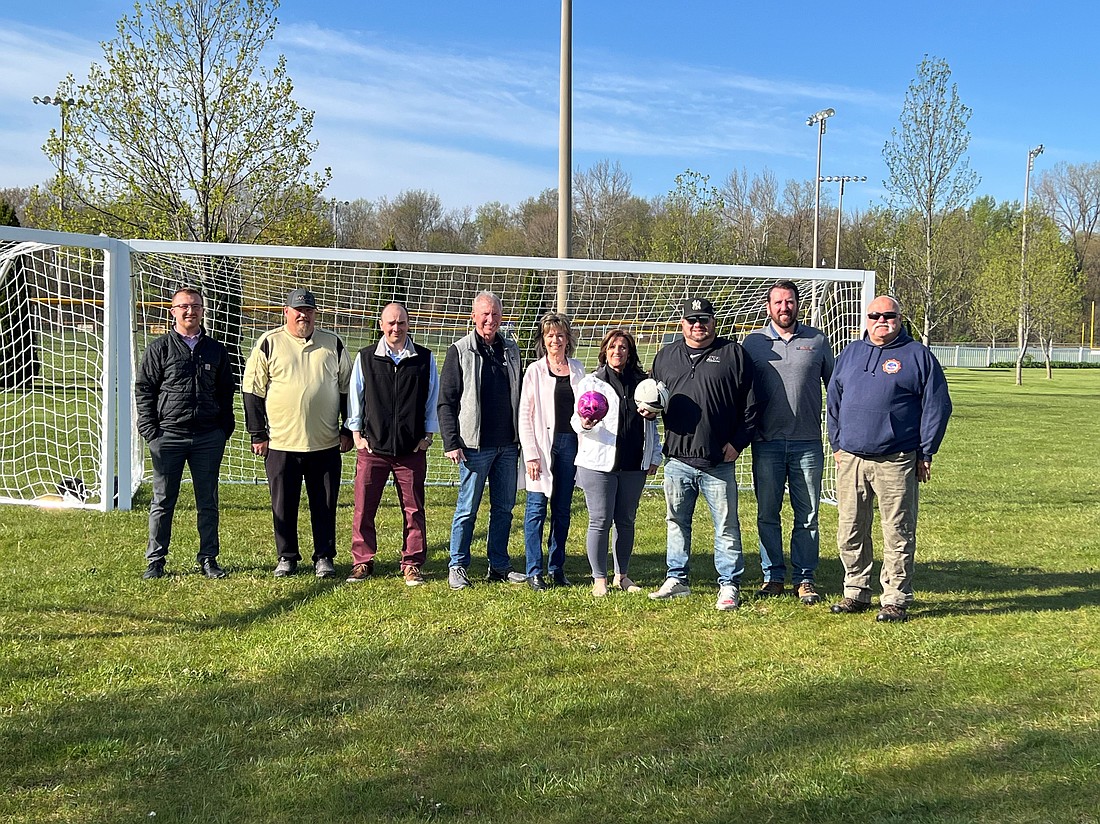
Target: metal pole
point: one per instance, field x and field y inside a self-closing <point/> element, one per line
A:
<point x="839" y="212"/>
<point x="565" y="153"/>
<point x="817" y="187"/>
<point x="1025" y="309"/>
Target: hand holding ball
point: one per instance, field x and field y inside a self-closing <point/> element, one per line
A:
<point x="592" y="406"/>
<point x="651" y="396"/>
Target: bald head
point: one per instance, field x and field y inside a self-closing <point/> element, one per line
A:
<point x="883" y="320"/>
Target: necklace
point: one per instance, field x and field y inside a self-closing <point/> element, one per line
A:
<point x="558" y="368"/>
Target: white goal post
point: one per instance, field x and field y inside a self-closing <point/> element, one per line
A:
<point x="77" y="311"/>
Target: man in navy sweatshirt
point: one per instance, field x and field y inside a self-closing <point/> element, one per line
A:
<point x="886" y="411"/>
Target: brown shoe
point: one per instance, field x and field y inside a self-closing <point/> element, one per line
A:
<point x="807" y="593"/>
<point x="413" y="578"/>
<point x="892" y="614"/>
<point x="849" y="606"/>
<point x="360" y="572"/>
<point x="770" y="589"/>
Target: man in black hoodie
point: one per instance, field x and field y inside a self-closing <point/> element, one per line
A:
<point x="184" y="397"/>
<point x="709" y="421"/>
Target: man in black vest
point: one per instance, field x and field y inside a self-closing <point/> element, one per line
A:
<point x="184" y="398"/>
<point x="392" y="416"/>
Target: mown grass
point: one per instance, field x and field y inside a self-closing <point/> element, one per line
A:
<point x="255" y="700"/>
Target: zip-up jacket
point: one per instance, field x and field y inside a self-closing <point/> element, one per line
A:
<point x="711" y="400"/>
<point x="392" y="403"/>
<point x="186" y="391"/>
<point x="460" y="392"/>
<point x="597" y="447"/>
<point x="887" y="399"/>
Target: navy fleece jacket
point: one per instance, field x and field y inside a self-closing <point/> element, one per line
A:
<point x="887" y="399"/>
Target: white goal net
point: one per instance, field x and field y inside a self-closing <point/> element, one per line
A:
<point x="56" y="344"/>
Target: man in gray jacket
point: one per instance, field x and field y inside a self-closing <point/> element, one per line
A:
<point x="792" y="362"/>
<point x="478" y="418"/>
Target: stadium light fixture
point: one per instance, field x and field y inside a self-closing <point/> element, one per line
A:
<point x="63" y="104"/>
<point x="841" y="179"/>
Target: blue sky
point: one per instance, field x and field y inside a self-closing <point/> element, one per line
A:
<point x="461" y="97"/>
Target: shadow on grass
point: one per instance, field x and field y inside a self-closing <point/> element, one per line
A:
<point x="383" y="732"/>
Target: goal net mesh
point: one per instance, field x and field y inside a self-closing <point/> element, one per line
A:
<point x="53" y="338"/>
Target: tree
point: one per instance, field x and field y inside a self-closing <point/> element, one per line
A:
<point x="688" y="225"/>
<point x="1070" y="194"/>
<point x="603" y="213"/>
<point x="7" y="214"/>
<point x="184" y="134"/>
<point x="930" y="177"/>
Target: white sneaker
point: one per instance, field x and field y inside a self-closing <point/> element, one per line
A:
<point x="729" y="598"/>
<point x="671" y="588"/>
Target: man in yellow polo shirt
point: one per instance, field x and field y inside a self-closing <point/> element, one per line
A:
<point x="295" y="402"/>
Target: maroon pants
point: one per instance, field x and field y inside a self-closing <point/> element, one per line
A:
<point x="371" y="473"/>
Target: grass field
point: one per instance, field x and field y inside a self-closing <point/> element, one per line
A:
<point x="256" y="700"/>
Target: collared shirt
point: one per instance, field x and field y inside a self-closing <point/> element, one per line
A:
<point x="790" y="374"/>
<point x="355" y="409"/>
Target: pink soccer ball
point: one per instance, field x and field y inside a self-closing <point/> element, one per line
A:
<point x="592" y="405"/>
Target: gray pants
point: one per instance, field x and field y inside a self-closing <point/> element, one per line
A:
<point x="612" y="499"/>
<point x="203" y="454"/>
<point x="893" y="480"/>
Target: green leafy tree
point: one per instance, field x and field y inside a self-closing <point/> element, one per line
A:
<point x="688" y="227"/>
<point x="930" y="179"/>
<point x="8" y="216"/>
<point x="183" y="132"/>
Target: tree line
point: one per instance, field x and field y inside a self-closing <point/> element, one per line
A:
<point x="215" y="148"/>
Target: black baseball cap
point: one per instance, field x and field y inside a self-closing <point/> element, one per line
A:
<point x="698" y="308"/>
<point x="301" y="299"/>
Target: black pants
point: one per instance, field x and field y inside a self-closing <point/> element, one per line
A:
<point x="321" y="473"/>
<point x="203" y="453"/>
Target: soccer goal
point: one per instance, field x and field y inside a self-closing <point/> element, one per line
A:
<point x="78" y="312"/>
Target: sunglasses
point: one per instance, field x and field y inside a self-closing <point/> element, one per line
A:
<point x="882" y="315"/>
<point x="702" y="319"/>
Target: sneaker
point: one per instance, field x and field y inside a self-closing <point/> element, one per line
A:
<point x="458" y="579"/>
<point x="849" y="606"/>
<point x="892" y="614"/>
<point x="154" y="570"/>
<point x="807" y="593"/>
<point x="625" y="584"/>
<point x="497" y="576"/>
<point x="360" y="572"/>
<point x="323" y="568"/>
<point x="729" y="598"/>
<point x="599" y="587"/>
<point x="286" y="567"/>
<point x="671" y="588"/>
<point x="413" y="578"/>
<point x="770" y="589"/>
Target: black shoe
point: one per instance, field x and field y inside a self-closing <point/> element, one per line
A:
<point x="154" y="570"/>
<point x="286" y="567"/>
<point x="561" y="581"/>
<point x="538" y="583"/>
<point x="211" y="569"/>
<point x="849" y="606"/>
<point x="497" y="576"/>
<point x="892" y="614"/>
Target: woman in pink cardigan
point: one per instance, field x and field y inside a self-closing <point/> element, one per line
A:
<point x="549" y="447"/>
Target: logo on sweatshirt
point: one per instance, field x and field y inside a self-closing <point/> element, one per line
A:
<point x="892" y="366"/>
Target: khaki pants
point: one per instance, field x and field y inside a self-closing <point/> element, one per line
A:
<point x="893" y="480"/>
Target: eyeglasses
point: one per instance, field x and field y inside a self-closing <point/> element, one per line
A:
<point x="183" y="307"/>
<point x="702" y="320"/>
<point x="883" y="315"/>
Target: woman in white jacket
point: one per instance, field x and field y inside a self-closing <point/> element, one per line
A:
<point x="549" y="445"/>
<point x="613" y="459"/>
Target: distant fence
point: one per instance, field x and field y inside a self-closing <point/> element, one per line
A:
<point x="982" y="356"/>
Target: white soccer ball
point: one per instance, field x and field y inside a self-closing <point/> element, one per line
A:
<point x="651" y="396"/>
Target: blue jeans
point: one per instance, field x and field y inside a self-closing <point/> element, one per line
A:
<point x="718" y="485"/>
<point x="563" y="456"/>
<point x="499" y="466"/>
<point x="798" y="465"/>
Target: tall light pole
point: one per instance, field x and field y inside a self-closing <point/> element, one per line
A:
<point x="63" y="104"/>
<point x="1025" y="309"/>
<point x="818" y="119"/>
<point x="336" y="204"/>
<point x="841" y="179"/>
<point x="565" y="152"/>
